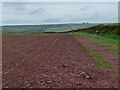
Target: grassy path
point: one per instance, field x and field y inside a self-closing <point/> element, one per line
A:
<point x="104" y="53"/>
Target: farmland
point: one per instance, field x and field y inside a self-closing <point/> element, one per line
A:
<point x="58" y="61"/>
<point x="44" y="28"/>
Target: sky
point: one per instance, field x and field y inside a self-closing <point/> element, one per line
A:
<point x="37" y="13"/>
<point x="60" y="0"/>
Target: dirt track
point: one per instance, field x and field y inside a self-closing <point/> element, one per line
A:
<point x="51" y="61"/>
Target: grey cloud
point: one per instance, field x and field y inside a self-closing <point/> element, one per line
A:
<point x="14" y="4"/>
<point x="13" y="7"/>
<point x="16" y="21"/>
<point x="119" y="12"/>
<point x="77" y="19"/>
<point x="93" y="17"/>
<point x="96" y="14"/>
<point x="12" y="21"/>
<point x="41" y="13"/>
<point x="19" y="9"/>
<point x="84" y="8"/>
<point x="52" y="20"/>
<point x="37" y="11"/>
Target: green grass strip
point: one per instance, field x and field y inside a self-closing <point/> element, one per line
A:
<point x="104" y="45"/>
<point x="28" y="85"/>
<point x="52" y="44"/>
<point x="5" y="73"/>
<point x="101" y="62"/>
<point x="108" y="40"/>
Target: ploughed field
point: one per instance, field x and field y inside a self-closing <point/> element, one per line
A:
<point x="50" y="61"/>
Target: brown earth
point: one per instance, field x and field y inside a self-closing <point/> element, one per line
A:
<point x="51" y="61"/>
<point x="108" y="53"/>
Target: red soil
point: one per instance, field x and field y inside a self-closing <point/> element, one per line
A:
<point x="51" y="61"/>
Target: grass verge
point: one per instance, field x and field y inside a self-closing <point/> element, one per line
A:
<point x="108" y="40"/>
<point x="101" y="62"/>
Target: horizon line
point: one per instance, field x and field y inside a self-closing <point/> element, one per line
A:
<point x="52" y="24"/>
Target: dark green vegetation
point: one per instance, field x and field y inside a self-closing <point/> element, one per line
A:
<point x="101" y="62"/>
<point x="104" y="30"/>
<point x="43" y="28"/>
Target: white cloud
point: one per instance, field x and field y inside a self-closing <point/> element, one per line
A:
<point x="44" y="13"/>
<point x="60" y="0"/>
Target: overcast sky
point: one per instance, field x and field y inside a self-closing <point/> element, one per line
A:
<point x="26" y="13"/>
